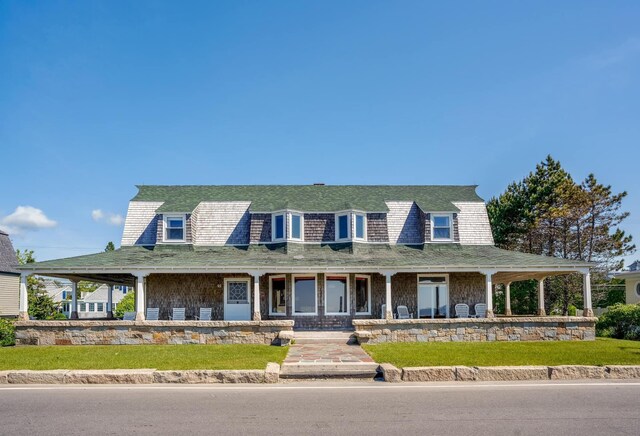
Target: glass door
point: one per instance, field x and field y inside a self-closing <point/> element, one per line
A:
<point x="433" y="297"/>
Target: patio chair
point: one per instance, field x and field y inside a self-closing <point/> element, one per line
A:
<point x="403" y="312"/>
<point x="462" y="310"/>
<point x="152" y="314"/>
<point x="129" y="316"/>
<point x="178" y="314"/>
<point x="481" y="310"/>
<point x="205" y="314"/>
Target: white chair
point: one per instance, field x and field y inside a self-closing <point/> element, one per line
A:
<point x="129" y="316"/>
<point x="481" y="310"/>
<point x="205" y="314"/>
<point x="462" y="310"/>
<point x="152" y="314"/>
<point x="178" y="314"/>
<point x="403" y="312"/>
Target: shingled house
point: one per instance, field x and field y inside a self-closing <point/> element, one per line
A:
<point x="321" y="257"/>
<point x="9" y="278"/>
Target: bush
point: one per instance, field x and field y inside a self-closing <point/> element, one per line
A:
<point x="621" y="321"/>
<point x="7" y="332"/>
<point x="572" y="310"/>
<point x="127" y="304"/>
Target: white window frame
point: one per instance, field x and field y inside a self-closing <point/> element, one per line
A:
<point x="165" y="219"/>
<point x="446" y="282"/>
<point x="348" y="312"/>
<point x="448" y="215"/>
<point x="273" y="226"/>
<point x="368" y="277"/>
<point x="337" y="216"/>
<point x="355" y="226"/>
<point x="301" y="215"/>
<point x="238" y="279"/>
<point x="293" y="294"/>
<point x="281" y="276"/>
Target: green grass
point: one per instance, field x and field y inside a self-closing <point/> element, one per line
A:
<point x="164" y="357"/>
<point x="599" y="352"/>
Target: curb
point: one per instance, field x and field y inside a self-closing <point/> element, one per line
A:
<point x="141" y="376"/>
<point x="392" y="374"/>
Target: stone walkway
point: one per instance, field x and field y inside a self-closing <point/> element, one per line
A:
<point x="327" y="353"/>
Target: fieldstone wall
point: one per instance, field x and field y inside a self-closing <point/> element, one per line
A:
<point x="549" y="328"/>
<point x="149" y="332"/>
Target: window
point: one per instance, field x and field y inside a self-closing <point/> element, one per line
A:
<point x="100" y="307"/>
<point x="360" y="226"/>
<point x="277" y="298"/>
<point x="278" y="227"/>
<point x="363" y="296"/>
<point x="92" y="307"/>
<point x="174" y="228"/>
<point x="441" y="227"/>
<point x="305" y="300"/>
<point x="65" y="295"/>
<point x="337" y="295"/>
<point x="342" y="227"/>
<point x="296" y="226"/>
<point x="83" y="307"/>
<point x="638" y="289"/>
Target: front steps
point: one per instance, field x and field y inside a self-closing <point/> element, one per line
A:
<point x="324" y="337"/>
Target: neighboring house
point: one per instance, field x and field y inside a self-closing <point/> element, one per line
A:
<point x="90" y="305"/>
<point x="322" y="256"/>
<point x="632" y="285"/>
<point x="9" y="278"/>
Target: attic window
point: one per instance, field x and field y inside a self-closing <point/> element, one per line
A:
<point x="342" y="227"/>
<point x="278" y="227"/>
<point x="441" y="225"/>
<point x="174" y="228"/>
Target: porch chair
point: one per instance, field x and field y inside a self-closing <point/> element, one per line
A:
<point x="403" y="312"/>
<point x="129" y="316"/>
<point x="152" y="314"/>
<point x="462" y="310"/>
<point x="481" y="310"/>
<point x="178" y="314"/>
<point x="205" y="314"/>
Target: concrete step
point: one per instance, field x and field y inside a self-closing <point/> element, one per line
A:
<point x="360" y="370"/>
<point x="324" y="337"/>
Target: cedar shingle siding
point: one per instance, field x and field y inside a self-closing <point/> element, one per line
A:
<point x="260" y="227"/>
<point x="404" y="221"/>
<point x="377" y="227"/>
<point x="319" y="227"/>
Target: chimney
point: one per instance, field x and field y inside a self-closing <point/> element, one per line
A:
<point x="318" y="184"/>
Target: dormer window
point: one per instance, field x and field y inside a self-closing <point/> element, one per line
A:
<point x="296" y="227"/>
<point x="360" y="226"/>
<point x="441" y="227"/>
<point x="174" y="228"/>
<point x="278" y="227"/>
<point x="342" y="227"/>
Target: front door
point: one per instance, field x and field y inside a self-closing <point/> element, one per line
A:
<point x="237" y="304"/>
<point x="433" y="297"/>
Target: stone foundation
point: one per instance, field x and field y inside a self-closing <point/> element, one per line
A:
<point x="549" y="328"/>
<point x="149" y="332"/>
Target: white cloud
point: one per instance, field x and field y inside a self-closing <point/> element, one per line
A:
<point x="26" y="218"/>
<point x="114" y="219"/>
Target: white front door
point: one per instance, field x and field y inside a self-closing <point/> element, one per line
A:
<point x="237" y="304"/>
<point x="433" y="297"/>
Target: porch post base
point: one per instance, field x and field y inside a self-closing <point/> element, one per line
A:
<point x="140" y="316"/>
<point x="23" y="316"/>
<point x="587" y="312"/>
<point x="257" y="316"/>
<point x="507" y="312"/>
<point x="388" y="315"/>
<point x="542" y="312"/>
<point x="74" y="315"/>
<point x="490" y="313"/>
<point x="109" y="315"/>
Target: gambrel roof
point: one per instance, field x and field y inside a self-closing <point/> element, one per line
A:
<point x="8" y="260"/>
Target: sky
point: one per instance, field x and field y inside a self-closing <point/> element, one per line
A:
<point x="97" y="97"/>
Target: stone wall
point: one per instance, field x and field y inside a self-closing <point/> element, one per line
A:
<point x="550" y="328"/>
<point x="149" y="332"/>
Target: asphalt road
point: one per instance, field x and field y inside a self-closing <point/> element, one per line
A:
<point x="329" y="408"/>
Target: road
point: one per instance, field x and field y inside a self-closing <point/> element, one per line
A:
<point x="371" y="408"/>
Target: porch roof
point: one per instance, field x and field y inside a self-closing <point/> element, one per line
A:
<point x="278" y="257"/>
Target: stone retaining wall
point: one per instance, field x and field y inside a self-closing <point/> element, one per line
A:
<point x="149" y="332"/>
<point x="549" y="328"/>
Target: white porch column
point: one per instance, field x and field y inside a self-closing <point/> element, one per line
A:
<point x="541" y="311"/>
<point x="24" y="298"/>
<point x="256" y="296"/>
<point x="586" y="285"/>
<point x="110" y="302"/>
<point x="488" y="275"/>
<point x="507" y="299"/>
<point x="73" y="312"/>
<point x="141" y="302"/>
<point x="387" y="301"/>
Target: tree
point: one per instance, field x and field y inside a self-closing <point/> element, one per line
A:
<point x="127" y="304"/>
<point x="41" y="305"/>
<point x="110" y="247"/>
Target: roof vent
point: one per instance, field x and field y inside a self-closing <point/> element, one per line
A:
<point x="318" y="184"/>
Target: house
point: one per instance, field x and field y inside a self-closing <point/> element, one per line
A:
<point x="9" y="278"/>
<point x="320" y="257"/>
<point x="631" y="283"/>
<point x="90" y="305"/>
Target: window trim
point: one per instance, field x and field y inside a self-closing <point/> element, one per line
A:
<point x="293" y="294"/>
<point x="237" y="279"/>
<point x="348" y="312"/>
<point x="273" y="226"/>
<point x="432" y="219"/>
<point x="355" y="226"/>
<point x="170" y="216"/>
<point x="290" y="233"/>
<point x="337" y="217"/>
<point x="279" y="276"/>
<point x="368" y="278"/>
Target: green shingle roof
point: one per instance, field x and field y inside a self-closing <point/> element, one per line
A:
<point x="303" y="255"/>
<point x="312" y="198"/>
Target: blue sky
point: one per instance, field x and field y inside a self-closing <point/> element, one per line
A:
<point x="96" y="97"/>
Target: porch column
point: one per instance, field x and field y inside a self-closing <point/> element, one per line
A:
<point x="387" y="300"/>
<point x="507" y="299"/>
<point x="586" y="285"/>
<point x="24" y="298"/>
<point x="141" y="301"/>
<point x="73" y="312"/>
<point x="541" y="311"/>
<point x="488" y="276"/>
<point x="110" y="302"/>
<point x="256" y="296"/>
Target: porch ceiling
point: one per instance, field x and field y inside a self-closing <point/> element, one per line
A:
<point x="109" y="279"/>
<point x="510" y="277"/>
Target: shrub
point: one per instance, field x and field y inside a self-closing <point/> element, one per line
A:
<point x="127" y="304"/>
<point x="572" y="310"/>
<point x="7" y="332"/>
<point x="621" y="321"/>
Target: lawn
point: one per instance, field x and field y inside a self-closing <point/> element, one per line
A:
<point x="599" y="352"/>
<point x="164" y="357"/>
